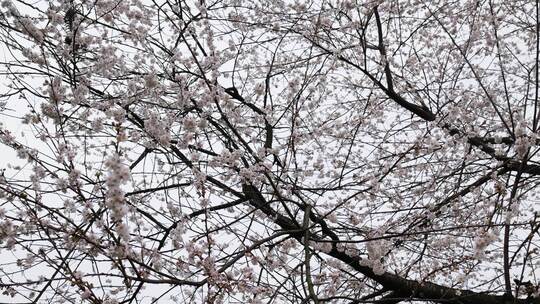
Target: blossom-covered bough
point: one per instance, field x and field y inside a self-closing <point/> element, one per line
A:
<point x="269" y="151"/>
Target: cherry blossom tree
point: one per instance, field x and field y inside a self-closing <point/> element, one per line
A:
<point x="269" y="151"/>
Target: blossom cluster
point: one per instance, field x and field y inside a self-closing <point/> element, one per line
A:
<point x="158" y="129"/>
<point x="483" y="240"/>
<point x="118" y="174"/>
<point x="377" y="249"/>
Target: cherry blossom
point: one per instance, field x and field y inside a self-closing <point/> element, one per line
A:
<point x="269" y="151"/>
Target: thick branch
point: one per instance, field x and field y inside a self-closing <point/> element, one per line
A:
<point x="408" y="289"/>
